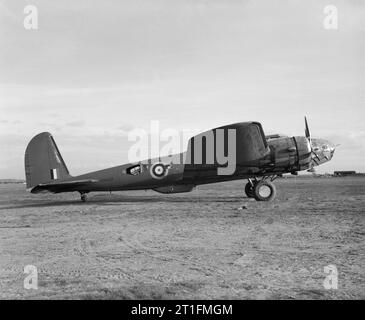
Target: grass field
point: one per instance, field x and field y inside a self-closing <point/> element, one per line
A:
<point x="208" y="244"/>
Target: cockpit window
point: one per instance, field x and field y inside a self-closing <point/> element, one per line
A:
<point x="135" y="170"/>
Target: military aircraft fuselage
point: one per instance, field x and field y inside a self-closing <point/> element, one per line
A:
<point x="255" y="156"/>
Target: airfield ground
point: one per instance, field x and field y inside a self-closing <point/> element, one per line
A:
<point x="211" y="243"/>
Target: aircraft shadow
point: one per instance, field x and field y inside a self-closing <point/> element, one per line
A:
<point x="118" y="200"/>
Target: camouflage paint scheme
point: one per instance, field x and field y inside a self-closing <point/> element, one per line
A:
<point x="257" y="156"/>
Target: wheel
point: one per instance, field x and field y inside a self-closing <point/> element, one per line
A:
<point x="83" y="197"/>
<point x="264" y="191"/>
<point x="249" y="190"/>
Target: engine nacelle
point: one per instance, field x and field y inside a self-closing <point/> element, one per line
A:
<point x="290" y="154"/>
<point x="304" y="153"/>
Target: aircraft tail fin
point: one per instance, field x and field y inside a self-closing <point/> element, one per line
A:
<point x="43" y="161"/>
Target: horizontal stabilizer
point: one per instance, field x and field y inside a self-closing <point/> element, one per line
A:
<point x="62" y="186"/>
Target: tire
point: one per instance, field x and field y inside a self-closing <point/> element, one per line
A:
<point x="259" y="195"/>
<point x="249" y="190"/>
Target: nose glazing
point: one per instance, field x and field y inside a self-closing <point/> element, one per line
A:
<point x="329" y="149"/>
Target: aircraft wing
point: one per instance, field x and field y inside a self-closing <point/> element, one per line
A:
<point x="61" y="186"/>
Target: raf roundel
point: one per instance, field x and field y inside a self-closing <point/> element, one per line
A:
<point x="158" y="170"/>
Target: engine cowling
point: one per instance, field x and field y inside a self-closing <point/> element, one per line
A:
<point x="290" y="154"/>
<point x="304" y="153"/>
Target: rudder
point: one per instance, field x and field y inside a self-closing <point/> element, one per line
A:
<point x="43" y="161"/>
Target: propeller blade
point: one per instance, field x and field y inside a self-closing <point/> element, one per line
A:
<point x="307" y="133"/>
<point x="314" y="155"/>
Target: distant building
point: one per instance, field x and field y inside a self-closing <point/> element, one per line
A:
<point x="343" y="173"/>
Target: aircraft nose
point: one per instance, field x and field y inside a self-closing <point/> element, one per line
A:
<point x="331" y="147"/>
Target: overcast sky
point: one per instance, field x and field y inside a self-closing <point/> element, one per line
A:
<point x="95" y="69"/>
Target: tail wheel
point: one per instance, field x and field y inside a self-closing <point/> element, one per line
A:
<point x="264" y="190"/>
<point x="249" y="190"/>
<point x="83" y="196"/>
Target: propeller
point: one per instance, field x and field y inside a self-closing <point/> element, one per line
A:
<point x="307" y="133"/>
<point x="313" y="154"/>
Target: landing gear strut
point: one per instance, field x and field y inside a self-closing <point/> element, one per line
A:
<point x="249" y="189"/>
<point x="261" y="190"/>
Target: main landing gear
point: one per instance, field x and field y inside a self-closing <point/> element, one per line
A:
<point x="261" y="190"/>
